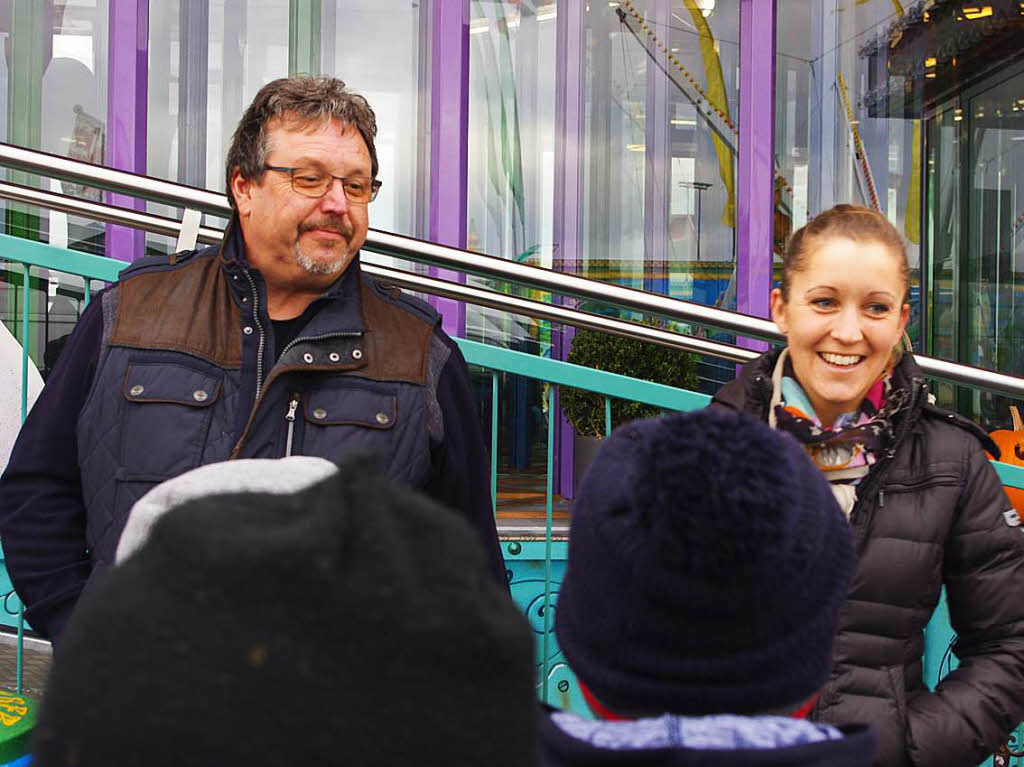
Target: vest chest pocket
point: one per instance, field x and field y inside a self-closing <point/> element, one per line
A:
<point x="166" y="419"/>
<point x="342" y="419"/>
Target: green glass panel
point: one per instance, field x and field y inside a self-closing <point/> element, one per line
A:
<point x="304" y="37"/>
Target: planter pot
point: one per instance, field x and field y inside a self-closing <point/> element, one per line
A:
<point x="584" y="449"/>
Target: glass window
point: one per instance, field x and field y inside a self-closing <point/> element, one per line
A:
<point x="843" y="135"/>
<point x="661" y="175"/>
<point x="55" y="75"/>
<point x="511" y="177"/>
<point x="917" y="114"/>
<point x="511" y="168"/>
<point x="389" y="31"/>
<point x="208" y="58"/>
<point x="976" y="236"/>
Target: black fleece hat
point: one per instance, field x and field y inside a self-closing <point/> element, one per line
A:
<point x="351" y="623"/>
<point x="708" y="562"/>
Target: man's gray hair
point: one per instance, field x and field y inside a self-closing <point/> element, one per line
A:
<point x="302" y="100"/>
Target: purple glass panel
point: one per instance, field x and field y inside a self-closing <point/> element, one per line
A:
<point x="756" y="187"/>
<point x="568" y="219"/>
<point x="449" y="132"/>
<point x="127" y="87"/>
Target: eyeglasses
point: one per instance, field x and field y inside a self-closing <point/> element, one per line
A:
<point x="312" y="182"/>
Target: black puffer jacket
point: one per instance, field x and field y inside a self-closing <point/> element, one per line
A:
<point x="931" y="512"/>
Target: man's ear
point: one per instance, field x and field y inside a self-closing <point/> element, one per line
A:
<point x="241" y="189"/>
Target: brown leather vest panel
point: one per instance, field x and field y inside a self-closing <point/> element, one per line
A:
<point x="397" y="342"/>
<point x="188" y="309"/>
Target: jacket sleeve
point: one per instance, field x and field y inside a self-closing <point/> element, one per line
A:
<point x="976" y="706"/>
<point x="461" y="467"/>
<point x="42" y="513"/>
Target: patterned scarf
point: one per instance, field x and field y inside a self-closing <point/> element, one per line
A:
<point x="846" y="450"/>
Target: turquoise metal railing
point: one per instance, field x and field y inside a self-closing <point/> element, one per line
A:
<point x="84" y="265"/>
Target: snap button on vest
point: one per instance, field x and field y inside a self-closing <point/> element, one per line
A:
<point x="247" y="330"/>
<point x="136" y="390"/>
<point x="320" y="414"/>
<point x="334" y="356"/>
<point x="307" y="357"/>
<point x="382" y="418"/>
<point x="357" y="354"/>
<point x="199" y="395"/>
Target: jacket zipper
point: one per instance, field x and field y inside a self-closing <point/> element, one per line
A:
<point x="320" y="337"/>
<point x="290" y="418"/>
<point x="259" y="326"/>
<point x="259" y="375"/>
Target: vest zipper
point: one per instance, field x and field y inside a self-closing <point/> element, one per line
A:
<point x="259" y="326"/>
<point x="321" y="337"/>
<point x="290" y="418"/>
<point x="259" y="374"/>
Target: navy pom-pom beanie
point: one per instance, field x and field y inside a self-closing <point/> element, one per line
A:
<point x="708" y="563"/>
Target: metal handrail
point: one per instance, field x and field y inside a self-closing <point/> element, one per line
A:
<point x="433" y="254"/>
<point x="398" y="246"/>
<point x="399" y="277"/>
<point x="111" y="214"/>
<point x="111" y="180"/>
<point x="556" y="313"/>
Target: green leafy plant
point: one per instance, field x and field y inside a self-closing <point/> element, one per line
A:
<point x="627" y="356"/>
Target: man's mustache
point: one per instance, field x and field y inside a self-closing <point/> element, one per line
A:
<point x="331" y="224"/>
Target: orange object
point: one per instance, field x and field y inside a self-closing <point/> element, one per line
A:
<point x="1011" y="446"/>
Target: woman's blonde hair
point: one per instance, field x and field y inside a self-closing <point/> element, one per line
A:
<point x="854" y="222"/>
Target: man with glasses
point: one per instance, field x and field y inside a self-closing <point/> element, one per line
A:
<point x="268" y="345"/>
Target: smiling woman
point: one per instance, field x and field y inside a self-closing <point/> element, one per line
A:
<point x="924" y="502"/>
<point x="842" y="309"/>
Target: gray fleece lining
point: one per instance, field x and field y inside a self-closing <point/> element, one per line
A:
<point x="437" y="358"/>
<point x="109" y="315"/>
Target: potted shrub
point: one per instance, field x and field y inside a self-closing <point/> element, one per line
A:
<point x="628" y="356"/>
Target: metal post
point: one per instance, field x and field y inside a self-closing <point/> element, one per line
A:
<point x="700" y="191"/>
<point x="127" y="99"/>
<point x="547" y="545"/>
<point x="755" y="198"/>
<point x="494" y="442"/>
<point x="449" y="131"/>
<point x="20" y="671"/>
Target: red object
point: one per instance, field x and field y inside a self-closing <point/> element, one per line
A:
<point x="603" y="712"/>
<point x="597" y="707"/>
<point x="805" y="709"/>
<point x="1011" y="447"/>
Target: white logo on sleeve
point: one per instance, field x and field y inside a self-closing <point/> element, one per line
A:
<point x="1012" y="517"/>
